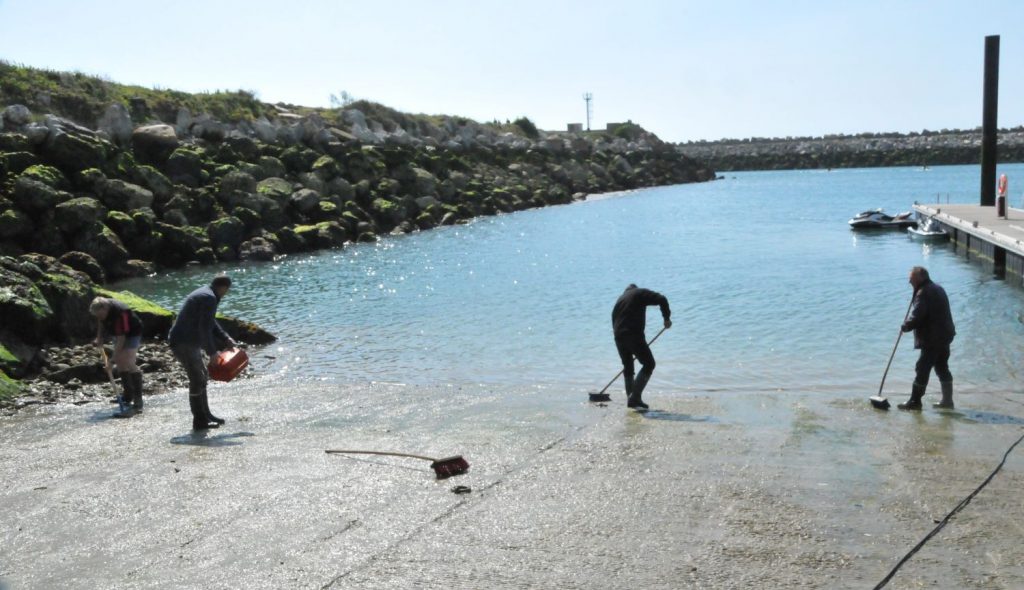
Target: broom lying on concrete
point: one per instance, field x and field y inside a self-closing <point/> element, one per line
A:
<point x="444" y="468"/>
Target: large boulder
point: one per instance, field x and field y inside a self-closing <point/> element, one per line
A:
<point x="270" y="166"/>
<point x="15" y="163"/>
<point x="181" y="244"/>
<point x="82" y="262"/>
<point x="116" y="122"/>
<point x="32" y="195"/>
<point x="14" y="224"/>
<point x="153" y="144"/>
<point x="226" y="231"/>
<point x="258" y="248"/>
<point x="305" y="200"/>
<point x="124" y="196"/>
<point x="69" y="293"/>
<point x="185" y="166"/>
<point x="75" y="214"/>
<point x="237" y="181"/>
<point x="73" y="147"/>
<point x="25" y="311"/>
<point x="16" y="116"/>
<point x="275" y="188"/>
<point x="243" y="331"/>
<point x="100" y="242"/>
<point x="154" y="180"/>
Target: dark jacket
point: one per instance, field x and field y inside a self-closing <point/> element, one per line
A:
<point x="629" y="316"/>
<point x="195" y="324"/>
<point x="121" y="321"/>
<point x="930" y="318"/>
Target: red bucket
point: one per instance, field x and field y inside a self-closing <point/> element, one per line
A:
<point x="228" y="364"/>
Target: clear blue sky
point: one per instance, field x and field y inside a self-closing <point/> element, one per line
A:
<point x="684" y="69"/>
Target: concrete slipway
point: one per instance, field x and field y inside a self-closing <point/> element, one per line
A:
<point x="710" y="490"/>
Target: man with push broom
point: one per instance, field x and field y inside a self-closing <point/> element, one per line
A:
<point x="629" y="317"/>
<point x="932" y="323"/>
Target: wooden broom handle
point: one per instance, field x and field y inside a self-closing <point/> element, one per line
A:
<point x="386" y="453"/>
<point x="623" y="369"/>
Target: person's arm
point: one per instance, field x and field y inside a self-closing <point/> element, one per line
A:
<point x="655" y="298"/>
<point x="98" y="341"/>
<point x="221" y="334"/>
<point x="207" y="308"/>
<point x="918" y="312"/>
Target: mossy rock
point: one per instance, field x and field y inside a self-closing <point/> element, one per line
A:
<point x="9" y="388"/>
<point x="278" y="189"/>
<point x="154" y="180"/>
<point x="326" y="167"/>
<point x="243" y="331"/>
<point x="25" y="310"/>
<point x="156" y="321"/>
<point x="15" y="163"/>
<point x="122" y="224"/>
<point x="185" y="166"/>
<point x="14" y="224"/>
<point x="325" y="210"/>
<point x="8" y="362"/>
<point x="69" y="296"/>
<point x="226" y="231"/>
<point x="100" y="242"/>
<point x="46" y="174"/>
<point x="32" y="195"/>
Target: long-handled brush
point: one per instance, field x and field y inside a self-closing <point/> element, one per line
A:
<point x="122" y="406"/>
<point x="444" y="468"/>
<point x="878" y="401"/>
<point x="601" y="396"/>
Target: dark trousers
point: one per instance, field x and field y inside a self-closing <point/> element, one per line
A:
<point x="191" y="358"/>
<point x="933" y="357"/>
<point x="634" y="345"/>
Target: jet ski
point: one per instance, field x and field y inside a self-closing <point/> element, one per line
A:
<point x="878" y="219"/>
<point x="928" y="230"/>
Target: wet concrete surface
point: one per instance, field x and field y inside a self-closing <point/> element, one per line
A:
<point x="720" y="490"/>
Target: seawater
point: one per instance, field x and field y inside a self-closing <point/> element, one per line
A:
<point x="770" y="290"/>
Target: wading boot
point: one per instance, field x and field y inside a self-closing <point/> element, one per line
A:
<point x="199" y="419"/>
<point x="635" y="400"/>
<point x="947" y="396"/>
<point x="209" y="415"/>
<point x="125" y="399"/>
<point x="136" y="379"/>
<point x="914" y="403"/>
<point x="628" y="379"/>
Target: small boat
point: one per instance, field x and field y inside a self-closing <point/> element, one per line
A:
<point x="878" y="219"/>
<point x="928" y="230"/>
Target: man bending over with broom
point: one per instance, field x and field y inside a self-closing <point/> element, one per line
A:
<point x="629" y="317"/>
<point x="932" y="324"/>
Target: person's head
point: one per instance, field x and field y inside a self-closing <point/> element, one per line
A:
<point x="99" y="308"/>
<point x="220" y="285"/>
<point x="918" y="276"/>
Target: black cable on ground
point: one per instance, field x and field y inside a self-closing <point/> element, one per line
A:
<point x="963" y="503"/>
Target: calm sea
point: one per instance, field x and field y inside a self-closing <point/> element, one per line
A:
<point x="770" y="290"/>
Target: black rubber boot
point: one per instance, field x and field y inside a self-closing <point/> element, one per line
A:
<point x="629" y="385"/>
<point x="914" y="403"/>
<point x="947" y="396"/>
<point x="136" y="379"/>
<point x="635" y="400"/>
<point x="209" y="415"/>
<point x="199" y="419"/>
<point x="124" y="400"/>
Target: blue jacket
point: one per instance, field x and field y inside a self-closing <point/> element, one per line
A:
<point x="195" y="324"/>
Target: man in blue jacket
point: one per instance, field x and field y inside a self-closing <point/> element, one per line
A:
<point x="629" y="318"/>
<point x="195" y="331"/>
<point x="932" y="323"/>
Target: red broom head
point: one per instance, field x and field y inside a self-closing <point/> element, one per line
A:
<point x="450" y="466"/>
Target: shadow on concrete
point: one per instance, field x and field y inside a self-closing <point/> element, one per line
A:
<point x="675" y="417"/>
<point x="205" y="438"/>
<point x="980" y="417"/>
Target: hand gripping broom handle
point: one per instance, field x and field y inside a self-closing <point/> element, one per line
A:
<point x="900" y="335"/>
<point x="623" y="369"/>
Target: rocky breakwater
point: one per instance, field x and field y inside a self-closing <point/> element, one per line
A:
<point x="45" y="328"/>
<point x="124" y="198"/>
<point x="865" y="150"/>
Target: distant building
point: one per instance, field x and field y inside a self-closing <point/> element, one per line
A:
<point x="575" y="127"/>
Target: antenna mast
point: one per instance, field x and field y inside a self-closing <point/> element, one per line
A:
<point x="588" y="97"/>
